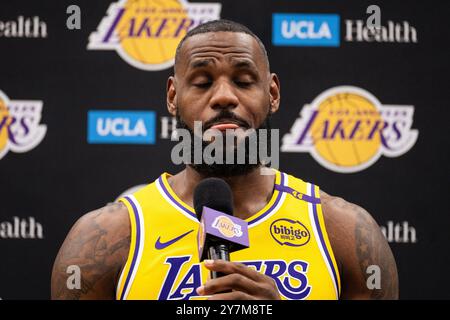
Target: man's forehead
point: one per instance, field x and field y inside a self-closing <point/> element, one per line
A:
<point x="232" y="45"/>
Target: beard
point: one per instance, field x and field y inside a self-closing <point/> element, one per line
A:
<point x="223" y="169"/>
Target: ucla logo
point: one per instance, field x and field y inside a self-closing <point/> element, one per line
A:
<point x="289" y="232"/>
<point x="136" y="127"/>
<point x="306" y="30"/>
<point x="227" y="227"/>
<point x="183" y="278"/>
<point x="145" y="33"/>
<point x="346" y="129"/>
<point x="20" y="128"/>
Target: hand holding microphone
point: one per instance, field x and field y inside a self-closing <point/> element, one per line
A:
<point x="221" y="233"/>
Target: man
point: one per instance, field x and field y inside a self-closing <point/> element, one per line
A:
<point x="304" y="243"/>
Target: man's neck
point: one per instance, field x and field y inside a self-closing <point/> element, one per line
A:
<point x="251" y="191"/>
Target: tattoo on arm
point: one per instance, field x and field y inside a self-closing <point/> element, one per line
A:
<point x="98" y="244"/>
<point x="365" y="260"/>
<point x="373" y="249"/>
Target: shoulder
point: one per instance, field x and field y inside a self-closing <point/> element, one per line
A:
<point x="98" y="245"/>
<point x="347" y="225"/>
<point x="106" y="227"/>
<point x="112" y="220"/>
<point x="342" y="216"/>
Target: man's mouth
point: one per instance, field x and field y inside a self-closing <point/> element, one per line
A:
<point x="225" y="124"/>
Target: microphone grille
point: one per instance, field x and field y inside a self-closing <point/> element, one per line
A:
<point x="213" y="193"/>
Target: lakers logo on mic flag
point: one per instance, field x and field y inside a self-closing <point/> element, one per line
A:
<point x="227" y="227"/>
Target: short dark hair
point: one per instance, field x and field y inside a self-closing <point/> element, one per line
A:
<point x="221" y="25"/>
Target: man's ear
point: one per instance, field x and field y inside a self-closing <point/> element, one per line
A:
<point x="171" y="96"/>
<point x="274" y="92"/>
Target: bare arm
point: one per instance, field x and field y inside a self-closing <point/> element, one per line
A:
<point x="358" y="243"/>
<point x="98" y="244"/>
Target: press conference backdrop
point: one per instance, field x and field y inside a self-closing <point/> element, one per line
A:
<point x="364" y="114"/>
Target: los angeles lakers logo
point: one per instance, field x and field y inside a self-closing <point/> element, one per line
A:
<point x="145" y="33"/>
<point x="20" y="128"/>
<point x="227" y="227"/>
<point x="346" y="129"/>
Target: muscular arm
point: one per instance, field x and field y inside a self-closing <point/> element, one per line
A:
<point x="358" y="243"/>
<point x="98" y="244"/>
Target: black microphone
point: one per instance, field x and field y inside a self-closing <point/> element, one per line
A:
<point x="213" y="193"/>
<point x="220" y="232"/>
<point x="216" y="194"/>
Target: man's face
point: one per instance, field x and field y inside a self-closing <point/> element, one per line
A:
<point x="222" y="79"/>
<point x="222" y="71"/>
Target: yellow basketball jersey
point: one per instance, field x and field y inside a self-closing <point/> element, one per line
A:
<point x="288" y="242"/>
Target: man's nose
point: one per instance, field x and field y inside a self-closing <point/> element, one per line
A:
<point x="224" y="96"/>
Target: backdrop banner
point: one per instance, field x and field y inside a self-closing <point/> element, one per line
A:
<point x="83" y="117"/>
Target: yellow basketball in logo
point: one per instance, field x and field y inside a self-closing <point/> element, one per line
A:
<point x="346" y="129"/>
<point x="150" y="30"/>
<point x="5" y="120"/>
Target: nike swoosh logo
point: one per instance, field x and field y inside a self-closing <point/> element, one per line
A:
<point x="161" y="245"/>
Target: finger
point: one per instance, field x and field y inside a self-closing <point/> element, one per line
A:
<point x="234" y="281"/>
<point x="235" y="295"/>
<point x="229" y="267"/>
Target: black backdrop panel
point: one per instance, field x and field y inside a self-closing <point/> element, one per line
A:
<point x="49" y="80"/>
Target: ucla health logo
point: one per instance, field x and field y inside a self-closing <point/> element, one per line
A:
<point x="289" y="232"/>
<point x="136" y="127"/>
<point x="346" y="129"/>
<point x="306" y="30"/>
<point x="145" y="33"/>
<point x="20" y="127"/>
